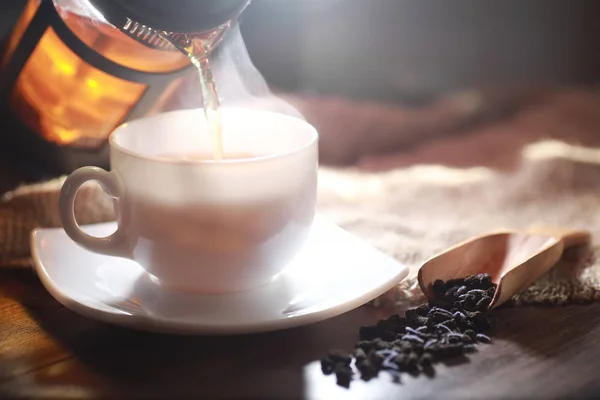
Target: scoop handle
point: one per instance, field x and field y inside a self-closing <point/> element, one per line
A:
<point x="569" y="237"/>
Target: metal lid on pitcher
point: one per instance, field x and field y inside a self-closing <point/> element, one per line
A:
<point x="182" y="16"/>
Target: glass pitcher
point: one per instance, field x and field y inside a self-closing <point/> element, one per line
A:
<point x="72" y="72"/>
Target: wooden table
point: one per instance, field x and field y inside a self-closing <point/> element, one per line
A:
<point x="48" y="351"/>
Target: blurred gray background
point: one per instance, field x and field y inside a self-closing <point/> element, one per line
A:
<point x="410" y="50"/>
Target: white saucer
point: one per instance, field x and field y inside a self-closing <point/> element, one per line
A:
<point x="335" y="272"/>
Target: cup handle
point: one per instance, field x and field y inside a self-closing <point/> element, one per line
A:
<point x="112" y="245"/>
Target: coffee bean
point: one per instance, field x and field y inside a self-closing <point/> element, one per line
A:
<point x="471" y="301"/>
<point x="359" y="354"/>
<point x="451" y="292"/>
<point x="367" y="369"/>
<point x="376" y="359"/>
<point x="381" y="344"/>
<point x="412" y="361"/>
<point x="472" y="315"/>
<point x="459" y="317"/>
<point x="387" y="335"/>
<point x="426" y="360"/>
<point x="438" y="310"/>
<point x="461" y="290"/>
<point x="471" y="334"/>
<point x="485" y="280"/>
<point x="400" y="361"/>
<point x="418" y="348"/>
<point x="471" y="281"/>
<point x="365" y="345"/>
<point x="477" y="292"/>
<point x="387" y="353"/>
<point x="439" y="317"/>
<point x="439" y="288"/>
<point x="422" y="310"/>
<point x="343" y="375"/>
<point x="455" y="282"/>
<point x="483" y="338"/>
<point x="483" y="304"/>
<point x="455" y="337"/>
<point x="326" y="366"/>
<point x="411" y="314"/>
<point x="340" y="356"/>
<point x="450" y="325"/>
<point x="443" y="327"/>
<point x="414" y="332"/>
<point x="368" y="332"/>
<point x="422" y="329"/>
<point x="413" y="339"/>
<point x="395" y="323"/>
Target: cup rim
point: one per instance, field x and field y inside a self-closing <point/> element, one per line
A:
<point x="112" y="140"/>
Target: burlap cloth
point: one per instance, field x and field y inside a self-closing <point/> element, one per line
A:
<point x="510" y="174"/>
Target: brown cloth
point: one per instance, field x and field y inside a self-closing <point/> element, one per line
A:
<point x="414" y="213"/>
<point x="32" y="206"/>
<point x="539" y="167"/>
<point x="532" y="168"/>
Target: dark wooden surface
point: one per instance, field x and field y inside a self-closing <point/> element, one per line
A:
<point x="47" y="351"/>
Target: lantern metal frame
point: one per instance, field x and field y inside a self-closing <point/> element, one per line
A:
<point x="17" y="136"/>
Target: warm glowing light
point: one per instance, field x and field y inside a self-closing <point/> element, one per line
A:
<point x="354" y="186"/>
<point x="554" y="149"/>
<point x="94" y="87"/>
<point x="65" y="68"/>
<point x="68" y="101"/>
<point x="66" y="135"/>
<point x="93" y="84"/>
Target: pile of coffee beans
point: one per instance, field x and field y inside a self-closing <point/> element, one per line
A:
<point x="449" y="326"/>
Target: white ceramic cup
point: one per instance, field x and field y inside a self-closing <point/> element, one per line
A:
<point x="201" y="225"/>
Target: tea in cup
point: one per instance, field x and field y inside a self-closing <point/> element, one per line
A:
<point x="196" y="224"/>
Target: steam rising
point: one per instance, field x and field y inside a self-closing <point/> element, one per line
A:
<point x="238" y="82"/>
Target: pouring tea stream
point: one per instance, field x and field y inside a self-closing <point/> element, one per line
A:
<point x="194" y="28"/>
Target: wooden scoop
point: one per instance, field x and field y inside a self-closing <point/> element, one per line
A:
<point x="514" y="259"/>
